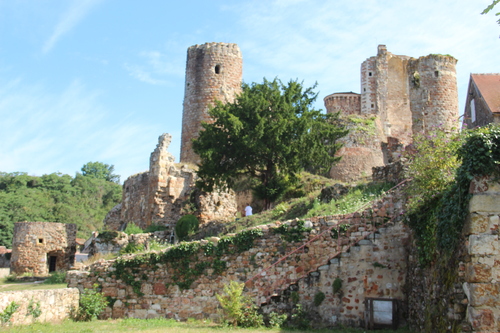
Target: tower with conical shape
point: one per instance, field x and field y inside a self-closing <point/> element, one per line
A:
<point x="213" y="72"/>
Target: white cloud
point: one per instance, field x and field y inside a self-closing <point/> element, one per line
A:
<point x="69" y="19"/>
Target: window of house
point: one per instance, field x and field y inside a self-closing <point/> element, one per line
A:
<point x="472" y="111"/>
<point x="217" y="69"/>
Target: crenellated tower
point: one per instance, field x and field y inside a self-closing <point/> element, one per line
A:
<point x="214" y="71"/>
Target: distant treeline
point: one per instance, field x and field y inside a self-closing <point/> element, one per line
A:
<point x="84" y="200"/>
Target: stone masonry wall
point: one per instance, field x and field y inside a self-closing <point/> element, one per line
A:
<point x="35" y="244"/>
<point x="55" y="304"/>
<point x="482" y="267"/>
<point x="263" y="280"/>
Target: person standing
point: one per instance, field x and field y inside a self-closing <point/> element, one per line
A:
<point x="248" y="210"/>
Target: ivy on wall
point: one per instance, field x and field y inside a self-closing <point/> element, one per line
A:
<point x="187" y="261"/>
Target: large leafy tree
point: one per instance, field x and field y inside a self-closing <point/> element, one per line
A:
<point x="269" y="134"/>
<point x="101" y="171"/>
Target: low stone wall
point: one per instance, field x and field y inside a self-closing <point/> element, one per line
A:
<point x="152" y="290"/>
<point x="54" y="304"/>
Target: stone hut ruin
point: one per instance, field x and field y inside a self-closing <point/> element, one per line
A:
<point x="42" y="247"/>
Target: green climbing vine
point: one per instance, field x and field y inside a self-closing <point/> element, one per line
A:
<point x="187" y="261"/>
<point x="442" y="167"/>
<point x="292" y="234"/>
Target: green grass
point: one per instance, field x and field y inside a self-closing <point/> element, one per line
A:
<point x="157" y="326"/>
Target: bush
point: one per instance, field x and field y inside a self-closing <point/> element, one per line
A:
<point x="319" y="298"/>
<point x="187" y="225"/>
<point x="56" y="278"/>
<point x="239" y="309"/>
<point x="92" y="304"/>
<point x="155" y="227"/>
<point x="132" y="247"/>
<point x="133" y="229"/>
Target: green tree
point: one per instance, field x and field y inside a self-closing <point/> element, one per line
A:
<point x="101" y="171"/>
<point x="268" y="134"/>
<point x="490" y="8"/>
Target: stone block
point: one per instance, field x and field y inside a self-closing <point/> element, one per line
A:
<point x="476" y="224"/>
<point x="484" y="294"/>
<point x="483" y="244"/>
<point x="487" y="203"/>
<point x="481" y="319"/>
<point x="476" y="272"/>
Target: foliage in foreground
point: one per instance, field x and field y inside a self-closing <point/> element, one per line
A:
<point x="267" y="135"/>
<point x="238" y="309"/>
<point x="490" y="8"/>
<point x="438" y="217"/>
<point x="92" y="304"/>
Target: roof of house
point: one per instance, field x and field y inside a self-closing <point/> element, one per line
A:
<point x="489" y="87"/>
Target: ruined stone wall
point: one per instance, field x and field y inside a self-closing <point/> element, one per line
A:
<point x="160" y="195"/>
<point x="36" y="244"/>
<point x="161" y="297"/>
<point x="55" y="304"/>
<point x="214" y="71"/>
<point x="361" y="149"/>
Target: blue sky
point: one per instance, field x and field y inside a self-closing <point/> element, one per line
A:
<point x="100" y="80"/>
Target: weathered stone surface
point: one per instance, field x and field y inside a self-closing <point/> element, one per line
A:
<point x="483" y="244"/>
<point x="55" y="304"/>
<point x="484" y="203"/>
<point x="476" y="272"/>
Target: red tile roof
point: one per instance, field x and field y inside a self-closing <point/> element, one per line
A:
<point x="489" y="86"/>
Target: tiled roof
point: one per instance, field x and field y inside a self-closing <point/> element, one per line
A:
<point x="489" y="86"/>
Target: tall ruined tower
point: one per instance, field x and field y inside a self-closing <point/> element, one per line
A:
<point x="213" y="72"/>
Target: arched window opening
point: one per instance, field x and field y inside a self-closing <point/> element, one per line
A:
<point x="217" y="69"/>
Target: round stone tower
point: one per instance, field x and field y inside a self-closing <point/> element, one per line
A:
<point x="433" y="93"/>
<point x="213" y="72"/>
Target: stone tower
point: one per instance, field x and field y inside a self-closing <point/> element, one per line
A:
<point x="213" y="72"/>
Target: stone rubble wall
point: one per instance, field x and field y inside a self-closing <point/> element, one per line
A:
<point x="164" y="300"/>
<point x="55" y="304"/>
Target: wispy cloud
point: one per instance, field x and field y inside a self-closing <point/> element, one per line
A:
<point x="158" y="67"/>
<point x="67" y="129"/>
<point x="69" y="19"/>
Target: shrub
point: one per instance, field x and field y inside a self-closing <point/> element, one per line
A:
<point x="238" y="309"/>
<point x="319" y="297"/>
<point x="132" y="247"/>
<point x="92" y="304"/>
<point x="56" y="278"/>
<point x="155" y="227"/>
<point x="337" y="285"/>
<point x="133" y="229"/>
<point x="277" y="320"/>
<point x="187" y="225"/>
<point x="34" y="309"/>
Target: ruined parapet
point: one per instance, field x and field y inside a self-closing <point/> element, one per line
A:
<point x="42" y="247"/>
<point x="213" y="72"/>
<point x="347" y="103"/>
<point x="433" y="93"/>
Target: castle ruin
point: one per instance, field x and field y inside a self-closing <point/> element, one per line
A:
<point x="402" y="96"/>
